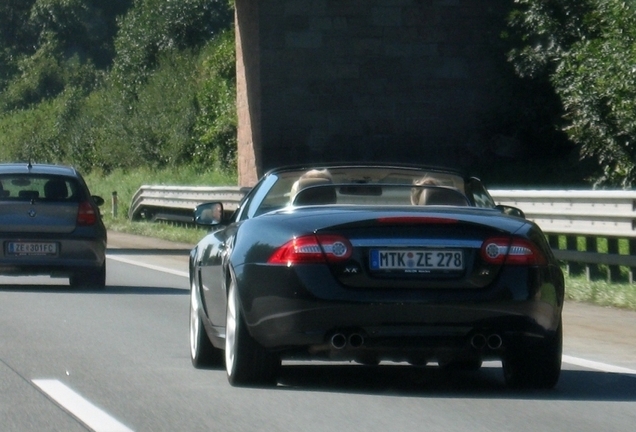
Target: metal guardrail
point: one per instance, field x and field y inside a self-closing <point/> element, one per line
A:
<point x="594" y="215"/>
<point x="609" y="215"/>
<point x="176" y="203"/>
<point x="597" y="213"/>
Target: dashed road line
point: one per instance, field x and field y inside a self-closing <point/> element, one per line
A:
<point x="80" y="408"/>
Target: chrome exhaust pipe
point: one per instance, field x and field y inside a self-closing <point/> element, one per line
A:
<point x="478" y="341"/>
<point x="356" y="340"/>
<point x="338" y="341"/>
<point x="494" y="341"/>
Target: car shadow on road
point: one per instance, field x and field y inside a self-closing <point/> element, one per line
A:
<point x="146" y="251"/>
<point x="109" y="290"/>
<point x="431" y="381"/>
<point x="145" y="290"/>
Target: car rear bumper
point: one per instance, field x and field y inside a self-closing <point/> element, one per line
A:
<point x="73" y="254"/>
<point x="400" y="325"/>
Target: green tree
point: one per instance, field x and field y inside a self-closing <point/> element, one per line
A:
<point x="15" y="37"/>
<point x="153" y="27"/>
<point x="215" y="129"/>
<point x="83" y="28"/>
<point x="587" y="49"/>
<point x="160" y="127"/>
<point x="97" y="136"/>
<point x="47" y="46"/>
<point x="36" y="133"/>
<point x="59" y="102"/>
<point x="165" y="111"/>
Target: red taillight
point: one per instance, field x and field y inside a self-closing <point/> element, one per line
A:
<point x="86" y="214"/>
<point x="511" y="251"/>
<point x="312" y="248"/>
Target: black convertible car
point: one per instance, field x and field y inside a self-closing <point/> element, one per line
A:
<point x="372" y="263"/>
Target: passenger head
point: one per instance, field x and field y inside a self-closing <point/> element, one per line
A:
<point x="431" y="192"/>
<point x="314" y="177"/>
<point x="418" y="194"/>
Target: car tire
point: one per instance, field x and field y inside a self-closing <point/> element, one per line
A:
<point x="91" y="278"/>
<point x="202" y="353"/>
<point x="539" y="368"/>
<point x="247" y="363"/>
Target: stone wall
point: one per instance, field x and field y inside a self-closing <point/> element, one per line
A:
<point x="367" y="80"/>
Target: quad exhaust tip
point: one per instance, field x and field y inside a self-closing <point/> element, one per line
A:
<point x="356" y="340"/>
<point x="340" y="340"/>
<point x="478" y="341"/>
<point x="493" y="341"/>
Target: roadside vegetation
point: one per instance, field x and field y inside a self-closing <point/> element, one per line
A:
<point x="601" y="293"/>
<point x="586" y="51"/>
<point x="118" y="85"/>
<point x="126" y="182"/>
<point x="129" y="84"/>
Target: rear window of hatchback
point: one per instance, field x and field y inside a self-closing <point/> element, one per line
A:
<point x="39" y="187"/>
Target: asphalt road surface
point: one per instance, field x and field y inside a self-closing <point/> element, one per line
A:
<point x="117" y="360"/>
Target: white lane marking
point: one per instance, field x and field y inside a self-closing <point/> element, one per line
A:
<point x="603" y="367"/>
<point x="149" y="266"/>
<point x="83" y="410"/>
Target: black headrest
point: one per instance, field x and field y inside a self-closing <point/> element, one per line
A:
<point x="55" y="189"/>
<point x="444" y="196"/>
<point x="316" y="195"/>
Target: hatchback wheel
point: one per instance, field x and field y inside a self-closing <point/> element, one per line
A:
<point x="89" y="278"/>
<point x="246" y="362"/>
<point x="202" y="352"/>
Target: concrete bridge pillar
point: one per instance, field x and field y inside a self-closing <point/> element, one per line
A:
<point x="376" y="80"/>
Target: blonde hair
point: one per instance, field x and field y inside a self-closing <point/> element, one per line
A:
<point x="418" y="194"/>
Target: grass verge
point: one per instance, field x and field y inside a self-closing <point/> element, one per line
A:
<point x="126" y="183"/>
<point x="601" y="293"/>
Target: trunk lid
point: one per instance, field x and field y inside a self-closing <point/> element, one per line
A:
<point x="437" y="248"/>
<point x="38" y="217"/>
<point x="39" y="203"/>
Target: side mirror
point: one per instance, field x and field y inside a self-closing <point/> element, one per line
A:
<point x="98" y="200"/>
<point x="511" y="211"/>
<point x="208" y="214"/>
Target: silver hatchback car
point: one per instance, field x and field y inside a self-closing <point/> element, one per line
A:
<point x="50" y="224"/>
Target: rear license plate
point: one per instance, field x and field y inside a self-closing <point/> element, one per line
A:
<point x="32" y="248"/>
<point x="416" y="260"/>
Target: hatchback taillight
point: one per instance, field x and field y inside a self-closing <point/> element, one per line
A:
<point x="86" y="214"/>
<point x="511" y="251"/>
<point x="312" y="248"/>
